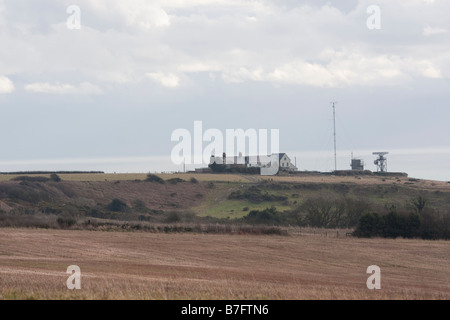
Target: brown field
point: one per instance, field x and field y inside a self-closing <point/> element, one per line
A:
<point x="137" y="265"/>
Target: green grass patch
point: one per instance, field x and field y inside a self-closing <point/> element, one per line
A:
<point x="234" y="209"/>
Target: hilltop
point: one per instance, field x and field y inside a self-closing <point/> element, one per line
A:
<point x="71" y="199"/>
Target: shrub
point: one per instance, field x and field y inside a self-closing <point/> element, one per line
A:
<point x="419" y="203"/>
<point x="175" y="180"/>
<point x="154" y="178"/>
<point x="370" y="225"/>
<point x="55" y="177"/>
<point x="49" y="208"/>
<point x="66" y="221"/>
<point x="193" y="180"/>
<point x="412" y="227"/>
<point x="23" y="192"/>
<point x="434" y="225"/>
<point x="30" y="179"/>
<point x="354" y="208"/>
<point x="266" y="216"/>
<point x="154" y="211"/>
<point x="139" y="205"/>
<point x="391" y="225"/>
<point x="324" y="212"/>
<point x="172" y="217"/>
<point x="16" y="219"/>
<point x="217" y="168"/>
<point x="142" y="217"/>
<point x="117" y="205"/>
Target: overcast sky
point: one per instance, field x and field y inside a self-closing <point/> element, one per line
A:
<point x="109" y="95"/>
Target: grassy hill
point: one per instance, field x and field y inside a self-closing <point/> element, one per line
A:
<point x="298" y="200"/>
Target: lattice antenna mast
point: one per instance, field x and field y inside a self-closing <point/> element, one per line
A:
<point x="334" y="134"/>
<point x="381" y="162"/>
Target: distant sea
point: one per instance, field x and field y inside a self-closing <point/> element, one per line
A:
<point x="433" y="163"/>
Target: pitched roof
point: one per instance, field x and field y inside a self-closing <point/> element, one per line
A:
<point x="280" y="155"/>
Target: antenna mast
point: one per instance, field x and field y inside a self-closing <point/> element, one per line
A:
<point x="334" y="129"/>
<point x="381" y="162"/>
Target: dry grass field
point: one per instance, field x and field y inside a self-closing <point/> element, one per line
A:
<point x="137" y="265"/>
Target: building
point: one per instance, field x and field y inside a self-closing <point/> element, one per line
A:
<point x="286" y="163"/>
<point x="357" y="165"/>
<point x="253" y="161"/>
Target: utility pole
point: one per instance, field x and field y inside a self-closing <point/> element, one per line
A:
<point x="334" y="130"/>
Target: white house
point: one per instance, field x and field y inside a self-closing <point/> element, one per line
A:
<point x="254" y="161"/>
<point x="285" y="163"/>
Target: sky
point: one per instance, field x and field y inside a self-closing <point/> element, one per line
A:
<point x="109" y="94"/>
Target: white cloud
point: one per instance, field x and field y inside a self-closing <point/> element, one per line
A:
<point x="6" y="85"/>
<point x="169" y="80"/>
<point x="141" y="14"/>
<point x="342" y="69"/>
<point x="425" y="68"/>
<point x="84" y="88"/>
<point x="430" y="31"/>
<point x="198" y="66"/>
<point x="149" y="54"/>
<point x="2" y="11"/>
<point x="279" y="44"/>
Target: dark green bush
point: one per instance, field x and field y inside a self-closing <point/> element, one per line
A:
<point x="66" y="221"/>
<point x="154" y="178"/>
<point x="55" y="177"/>
<point x="266" y="216"/>
<point x="117" y="205"/>
<point x="219" y="168"/>
<point x="172" y="217"/>
<point x="193" y="180"/>
<point x="144" y="218"/>
<point x="139" y="206"/>
<point x="370" y="225"/>
<point x="391" y="225"/>
<point x="175" y="180"/>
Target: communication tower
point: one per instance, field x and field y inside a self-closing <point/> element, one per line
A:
<point x="381" y="162"/>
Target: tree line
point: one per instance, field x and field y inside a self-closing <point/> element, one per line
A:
<point x="417" y="221"/>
